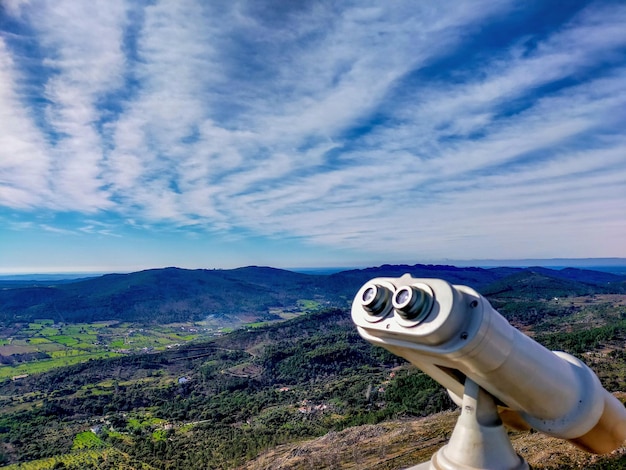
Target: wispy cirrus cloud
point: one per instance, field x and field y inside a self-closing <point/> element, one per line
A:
<point x="80" y="61"/>
<point x="397" y="128"/>
<point x="24" y="163"/>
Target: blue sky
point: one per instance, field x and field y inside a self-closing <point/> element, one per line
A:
<point x="329" y="133"/>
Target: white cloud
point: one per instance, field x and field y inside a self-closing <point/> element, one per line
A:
<point x="83" y="62"/>
<point x="14" y="7"/>
<point x="23" y="161"/>
<point x="319" y="121"/>
<point x="57" y="230"/>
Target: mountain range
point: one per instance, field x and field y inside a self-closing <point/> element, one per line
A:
<point x="253" y="293"/>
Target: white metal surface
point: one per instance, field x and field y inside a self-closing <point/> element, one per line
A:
<point x="479" y="441"/>
<point x="461" y="336"/>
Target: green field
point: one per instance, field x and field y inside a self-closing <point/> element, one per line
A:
<point x="40" y="341"/>
<point x="54" y="345"/>
<point x="84" y="458"/>
<point x="35" y="367"/>
<point x="42" y="345"/>
<point x="87" y="440"/>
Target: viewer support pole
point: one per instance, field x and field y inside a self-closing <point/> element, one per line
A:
<point x="479" y="441"/>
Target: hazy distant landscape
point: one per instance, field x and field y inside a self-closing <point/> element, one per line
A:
<point x="245" y="368"/>
<point x="192" y="193"/>
<point x="46" y="325"/>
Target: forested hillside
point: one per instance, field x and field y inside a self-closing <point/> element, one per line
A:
<point x="239" y="397"/>
<point x="174" y="295"/>
<point x="242" y="393"/>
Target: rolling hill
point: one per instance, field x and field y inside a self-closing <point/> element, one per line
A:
<point x="307" y="392"/>
<point x="171" y="294"/>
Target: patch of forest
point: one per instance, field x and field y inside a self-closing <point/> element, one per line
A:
<point x="184" y="409"/>
<point x="223" y="402"/>
<point x="171" y="295"/>
<point x="316" y="375"/>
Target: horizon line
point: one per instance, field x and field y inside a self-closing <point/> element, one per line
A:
<point x="489" y="262"/>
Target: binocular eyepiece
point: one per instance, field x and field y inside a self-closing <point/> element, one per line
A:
<point x="454" y="335"/>
<point x="410" y="303"/>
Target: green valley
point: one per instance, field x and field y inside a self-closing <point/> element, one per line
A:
<point x="306" y="392"/>
<point x="43" y="345"/>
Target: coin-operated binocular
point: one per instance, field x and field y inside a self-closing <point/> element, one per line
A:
<point x="491" y="369"/>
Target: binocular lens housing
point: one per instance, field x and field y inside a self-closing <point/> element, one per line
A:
<point x="452" y="333"/>
<point x="412" y="303"/>
<point x="375" y="299"/>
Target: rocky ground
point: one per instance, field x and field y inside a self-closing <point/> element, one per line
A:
<point x="401" y="444"/>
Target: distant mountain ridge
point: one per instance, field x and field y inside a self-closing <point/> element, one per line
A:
<point x="251" y="293"/>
